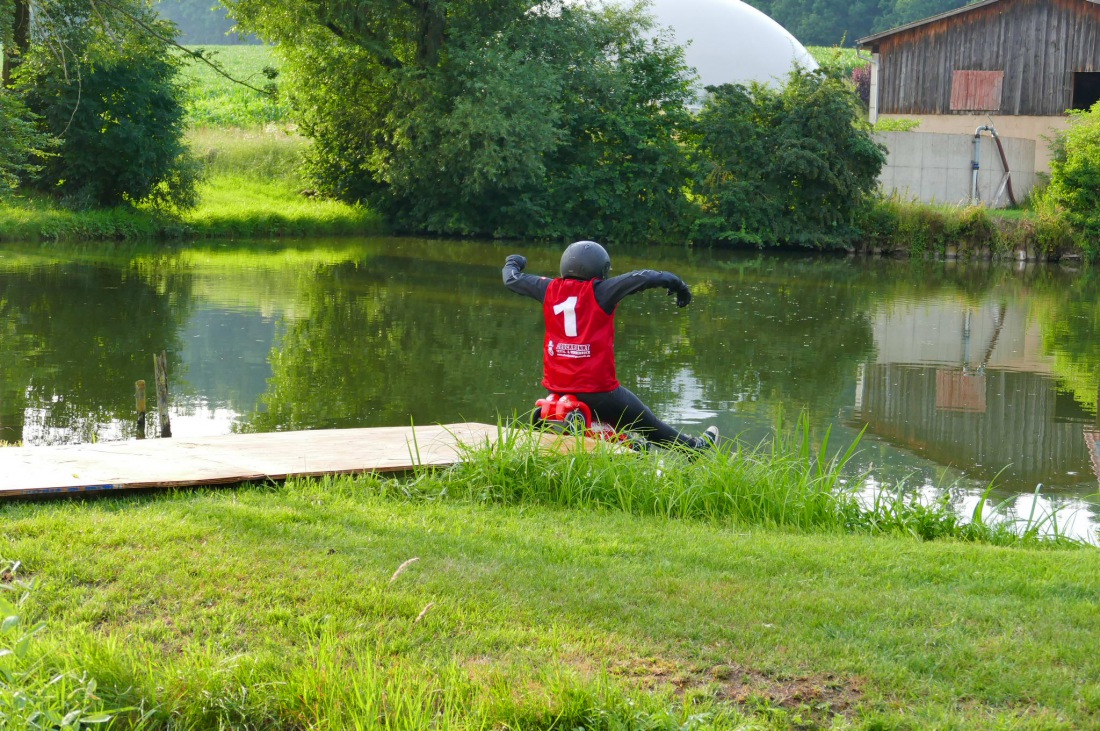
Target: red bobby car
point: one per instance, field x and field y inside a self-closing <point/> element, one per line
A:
<point x="575" y="417"/>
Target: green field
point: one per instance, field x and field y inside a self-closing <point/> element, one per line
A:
<point x="845" y="58"/>
<point x="217" y="101"/>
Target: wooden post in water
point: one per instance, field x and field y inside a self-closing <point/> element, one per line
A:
<point x="160" y="371"/>
<point x="139" y="402"/>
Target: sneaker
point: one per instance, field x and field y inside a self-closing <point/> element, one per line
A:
<point x="708" y="439"/>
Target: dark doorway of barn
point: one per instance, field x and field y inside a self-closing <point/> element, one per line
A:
<point x="1086" y="89"/>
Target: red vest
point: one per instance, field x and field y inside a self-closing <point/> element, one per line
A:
<point x="578" y="354"/>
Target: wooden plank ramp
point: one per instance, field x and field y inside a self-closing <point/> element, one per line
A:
<point x="231" y="459"/>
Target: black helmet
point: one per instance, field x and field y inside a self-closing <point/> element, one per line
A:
<point x="585" y="260"/>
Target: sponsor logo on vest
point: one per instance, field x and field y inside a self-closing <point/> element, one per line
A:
<point x="572" y="350"/>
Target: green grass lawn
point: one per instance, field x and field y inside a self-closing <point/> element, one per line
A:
<point x="452" y="601"/>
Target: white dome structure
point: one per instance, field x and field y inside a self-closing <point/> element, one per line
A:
<point x="731" y="42"/>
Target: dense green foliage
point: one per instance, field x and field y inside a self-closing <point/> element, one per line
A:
<point x="1074" y="190"/>
<point x="121" y="132"/>
<point x="23" y="143"/>
<point x="106" y="88"/>
<point x="791" y="165"/>
<point x="813" y="22"/>
<point x="493" y="120"/>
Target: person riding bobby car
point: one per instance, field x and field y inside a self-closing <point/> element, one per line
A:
<point x="578" y="354"/>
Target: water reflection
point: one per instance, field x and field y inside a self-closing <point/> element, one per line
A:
<point x="959" y="374"/>
<point x="971" y="384"/>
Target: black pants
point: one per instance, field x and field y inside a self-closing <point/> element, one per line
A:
<point x="624" y="410"/>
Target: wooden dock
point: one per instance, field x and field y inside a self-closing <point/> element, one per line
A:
<point x="231" y="459"/>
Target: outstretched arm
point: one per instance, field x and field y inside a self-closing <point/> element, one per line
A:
<point x="612" y="291"/>
<point x="520" y="283"/>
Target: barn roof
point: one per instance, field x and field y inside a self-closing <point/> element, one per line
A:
<point x="918" y="23"/>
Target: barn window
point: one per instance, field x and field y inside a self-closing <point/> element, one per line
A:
<point x="1086" y="89"/>
<point x="976" y="91"/>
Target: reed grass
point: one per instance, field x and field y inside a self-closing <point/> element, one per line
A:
<point x="790" y="481"/>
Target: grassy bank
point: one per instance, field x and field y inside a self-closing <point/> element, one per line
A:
<point x="472" y="599"/>
<point x="906" y="228"/>
<point x="251" y="190"/>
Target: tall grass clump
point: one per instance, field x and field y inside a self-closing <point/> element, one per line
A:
<point x="338" y="684"/>
<point x="788" y="482"/>
<point x="779" y="483"/>
<point x="898" y="510"/>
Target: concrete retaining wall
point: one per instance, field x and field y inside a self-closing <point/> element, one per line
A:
<point x="937" y="168"/>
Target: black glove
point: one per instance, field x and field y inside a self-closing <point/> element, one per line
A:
<point x="520" y="262"/>
<point x="683" y="294"/>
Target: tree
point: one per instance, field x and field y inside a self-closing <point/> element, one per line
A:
<point x="827" y="22"/>
<point x="15" y="30"/>
<point x="784" y="166"/>
<point x="486" y="117"/>
<point x="23" y="143"/>
<point x="101" y="79"/>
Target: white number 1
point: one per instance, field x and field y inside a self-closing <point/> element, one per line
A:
<point x="569" y="307"/>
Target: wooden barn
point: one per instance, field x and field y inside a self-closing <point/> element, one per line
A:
<point x="1019" y="64"/>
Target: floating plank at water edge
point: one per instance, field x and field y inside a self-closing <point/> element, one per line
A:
<point x="233" y="458"/>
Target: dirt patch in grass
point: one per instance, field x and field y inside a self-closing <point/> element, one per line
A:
<point x="814" y="697"/>
<point x="822" y="693"/>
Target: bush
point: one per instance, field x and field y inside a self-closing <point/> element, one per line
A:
<point x="913" y="228"/>
<point x="896" y="125"/>
<point x="1074" y="190"/>
<point x="794" y="165"/>
<point x="117" y="111"/>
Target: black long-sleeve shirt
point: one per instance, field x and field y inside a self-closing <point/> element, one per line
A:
<point x="609" y="292"/>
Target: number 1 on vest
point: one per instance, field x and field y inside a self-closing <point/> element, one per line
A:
<point x="569" y="307"/>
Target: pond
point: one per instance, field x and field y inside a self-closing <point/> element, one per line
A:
<point x="960" y="375"/>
